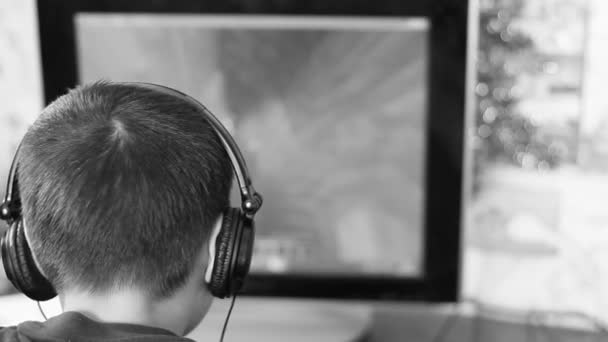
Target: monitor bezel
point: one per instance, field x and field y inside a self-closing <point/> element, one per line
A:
<point x="444" y="140"/>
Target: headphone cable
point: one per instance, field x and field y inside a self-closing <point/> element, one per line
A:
<point x="227" y="318"/>
<point x="41" y="311"/>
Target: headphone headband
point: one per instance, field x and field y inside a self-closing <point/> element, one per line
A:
<point x="251" y="201"/>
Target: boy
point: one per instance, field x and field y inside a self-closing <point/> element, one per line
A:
<point x="122" y="188"/>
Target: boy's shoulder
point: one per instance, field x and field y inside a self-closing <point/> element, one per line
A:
<point x="75" y="327"/>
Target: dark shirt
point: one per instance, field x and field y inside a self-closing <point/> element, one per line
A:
<point x="75" y="327"/>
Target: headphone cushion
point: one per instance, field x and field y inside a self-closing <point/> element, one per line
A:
<point x="30" y="280"/>
<point x="24" y="262"/>
<point x="220" y="277"/>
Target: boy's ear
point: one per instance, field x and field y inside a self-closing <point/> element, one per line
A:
<point x="211" y="244"/>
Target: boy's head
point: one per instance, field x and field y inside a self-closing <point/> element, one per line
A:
<point x="121" y="186"/>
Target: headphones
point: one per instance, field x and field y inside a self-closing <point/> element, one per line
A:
<point x="233" y="247"/>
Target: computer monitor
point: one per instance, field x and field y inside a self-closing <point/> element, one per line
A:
<point x="350" y="118"/>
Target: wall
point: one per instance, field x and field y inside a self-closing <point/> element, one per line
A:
<point x="20" y="84"/>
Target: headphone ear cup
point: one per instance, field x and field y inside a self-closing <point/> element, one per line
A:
<point x="22" y="270"/>
<point x="224" y="250"/>
<point x="244" y="253"/>
<point x="7" y="245"/>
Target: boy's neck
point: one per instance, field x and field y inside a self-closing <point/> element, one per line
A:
<point x="125" y="306"/>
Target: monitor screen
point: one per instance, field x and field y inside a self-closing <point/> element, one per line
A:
<point x="330" y="114"/>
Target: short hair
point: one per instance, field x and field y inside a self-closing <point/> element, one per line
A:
<point x="120" y="186"/>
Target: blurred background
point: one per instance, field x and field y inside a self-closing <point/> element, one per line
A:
<point x="535" y="243"/>
<point x="537" y="227"/>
